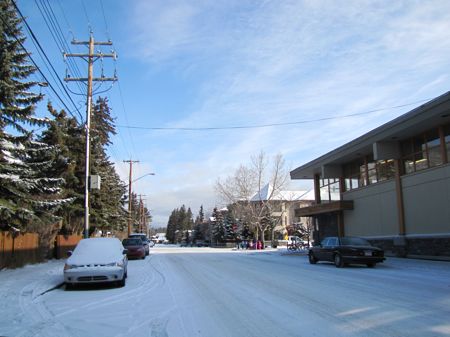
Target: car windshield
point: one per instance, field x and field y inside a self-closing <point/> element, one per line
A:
<point x="141" y="237"/>
<point x="132" y="242"/>
<point x="348" y="241"/>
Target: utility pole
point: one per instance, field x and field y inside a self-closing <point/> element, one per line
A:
<point x="90" y="58"/>
<point x="130" y="181"/>
<point x="141" y="213"/>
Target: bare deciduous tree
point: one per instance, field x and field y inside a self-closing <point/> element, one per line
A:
<point x="251" y="190"/>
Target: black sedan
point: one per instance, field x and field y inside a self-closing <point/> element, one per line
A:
<point x="345" y="250"/>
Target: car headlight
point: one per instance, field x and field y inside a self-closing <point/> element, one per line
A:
<point x="69" y="266"/>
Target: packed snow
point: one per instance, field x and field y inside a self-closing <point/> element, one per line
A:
<point x="97" y="251"/>
<point x="224" y="292"/>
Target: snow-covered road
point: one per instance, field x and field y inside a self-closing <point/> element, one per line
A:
<point x="210" y="292"/>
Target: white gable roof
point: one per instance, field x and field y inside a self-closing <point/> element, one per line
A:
<point x="266" y="191"/>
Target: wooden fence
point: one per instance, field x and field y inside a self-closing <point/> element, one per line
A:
<point x="64" y="243"/>
<point x="19" y="250"/>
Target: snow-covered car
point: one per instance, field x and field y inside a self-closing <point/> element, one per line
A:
<point x="96" y="260"/>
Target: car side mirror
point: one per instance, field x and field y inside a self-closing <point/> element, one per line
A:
<point x="69" y="253"/>
<point x="125" y="251"/>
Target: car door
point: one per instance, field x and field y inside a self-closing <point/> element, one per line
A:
<point x="328" y="251"/>
<point x="320" y="251"/>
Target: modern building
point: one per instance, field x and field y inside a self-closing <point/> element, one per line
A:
<point x="391" y="185"/>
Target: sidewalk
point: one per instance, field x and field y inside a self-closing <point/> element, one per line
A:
<point x="37" y="278"/>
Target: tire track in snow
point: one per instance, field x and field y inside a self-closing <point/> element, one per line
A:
<point x="34" y="309"/>
<point x="156" y="325"/>
<point x="131" y="293"/>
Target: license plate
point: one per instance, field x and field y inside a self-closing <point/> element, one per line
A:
<point x="367" y="253"/>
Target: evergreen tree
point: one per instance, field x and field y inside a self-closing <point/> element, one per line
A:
<point x="229" y="227"/>
<point x="199" y="228"/>
<point x="17" y="102"/>
<point x="217" y="226"/>
<point x="188" y="220"/>
<point x="171" y="227"/>
<point x="27" y="195"/>
<point x="107" y="210"/>
<point x="179" y="223"/>
<point x="64" y="133"/>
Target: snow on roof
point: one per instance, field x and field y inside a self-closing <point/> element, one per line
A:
<point x="266" y="194"/>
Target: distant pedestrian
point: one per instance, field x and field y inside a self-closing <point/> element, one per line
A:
<point x="238" y="241"/>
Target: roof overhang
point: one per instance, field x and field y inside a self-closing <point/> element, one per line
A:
<point x="329" y="207"/>
<point x="431" y="114"/>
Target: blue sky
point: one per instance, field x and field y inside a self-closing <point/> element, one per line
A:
<point x="193" y="64"/>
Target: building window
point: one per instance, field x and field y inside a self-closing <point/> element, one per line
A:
<point x="385" y="170"/>
<point x="354" y="175"/>
<point x="447" y="139"/>
<point x="329" y="190"/>
<point x="422" y="151"/>
<point x="433" y="147"/>
<point x="359" y="174"/>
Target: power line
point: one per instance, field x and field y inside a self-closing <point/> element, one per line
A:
<point x="65" y="19"/>
<point x="104" y="19"/>
<point x="42" y="74"/>
<point x="46" y="57"/>
<point x="87" y="16"/>
<point x="257" y="126"/>
<point x="54" y="27"/>
<point x="126" y="117"/>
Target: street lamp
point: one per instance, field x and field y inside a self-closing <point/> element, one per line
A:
<point x="147" y="174"/>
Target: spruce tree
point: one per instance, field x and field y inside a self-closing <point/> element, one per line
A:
<point x="198" y="225"/>
<point x="217" y="226"/>
<point x="107" y="210"/>
<point x="171" y="227"/>
<point x="65" y="133"/>
<point x="27" y="195"/>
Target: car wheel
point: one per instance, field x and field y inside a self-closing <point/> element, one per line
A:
<point x="312" y="258"/>
<point x="370" y="265"/>
<point x="122" y="282"/>
<point x="338" y="261"/>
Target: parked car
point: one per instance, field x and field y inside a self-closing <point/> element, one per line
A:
<point x="296" y="243"/>
<point x="96" y="260"/>
<point x="184" y="243"/>
<point x="135" y="248"/>
<point x="346" y="250"/>
<point x="201" y="243"/>
<point x="144" y="239"/>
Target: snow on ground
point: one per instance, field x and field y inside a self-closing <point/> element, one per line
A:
<point x="223" y="292"/>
